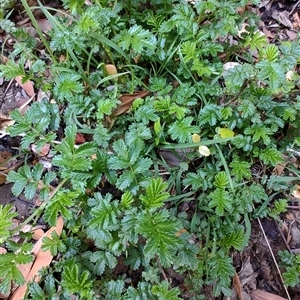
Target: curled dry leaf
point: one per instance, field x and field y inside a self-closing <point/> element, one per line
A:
<point x="4" y="164"/>
<point x="279" y="168"/>
<point x="296" y="191"/>
<point x="260" y="295"/>
<point x="43" y="259"/>
<point x="37" y="234"/>
<point x="80" y="139"/>
<point x="282" y="17"/>
<point x="26" y="86"/>
<point x="43" y="151"/>
<point x="126" y="102"/>
<point x="237" y="286"/>
<point x="180" y="232"/>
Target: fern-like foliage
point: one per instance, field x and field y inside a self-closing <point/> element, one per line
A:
<point x="159" y="230"/>
<point x="221" y="271"/>
<point x="221" y="180"/>
<point x="222" y="200"/>
<point x="181" y="130"/>
<point x="75" y="281"/>
<point x="28" y="179"/>
<point x="9" y="269"/>
<point x="6" y="222"/>
<point x="155" y="194"/>
<point x="234" y="239"/>
<point x="163" y="292"/>
<point x="60" y="204"/>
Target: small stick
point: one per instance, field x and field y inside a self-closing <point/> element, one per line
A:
<point x="294" y="7"/>
<point x="274" y="259"/>
<point x="162" y="270"/>
<point x="283" y="237"/>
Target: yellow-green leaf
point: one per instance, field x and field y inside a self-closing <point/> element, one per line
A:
<point x="226" y="133"/>
<point x="196" y="138"/>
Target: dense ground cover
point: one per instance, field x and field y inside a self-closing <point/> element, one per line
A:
<point x="163" y="123"/>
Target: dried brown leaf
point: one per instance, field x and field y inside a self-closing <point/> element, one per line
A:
<point x="278" y="170"/>
<point x="282" y="17"/>
<point x="126" y="102"/>
<point x="26" y="86"/>
<point x="261" y="295"/>
<point x="237" y="286"/>
<point x="43" y="151"/>
<point x="43" y="259"/>
<point x="80" y="139"/>
<point x="37" y="234"/>
<point x="296" y="192"/>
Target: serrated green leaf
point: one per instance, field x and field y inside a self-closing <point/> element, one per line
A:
<point x="6" y="216"/>
<point x="221" y="180"/>
<point x="103" y="259"/>
<point x="159" y="230"/>
<point x="291" y="276"/>
<point x="104" y="215"/>
<point x="126" y="199"/>
<point x="240" y="169"/>
<point x="125" y="180"/>
<point x="182" y="130"/>
<point x="272" y="72"/>
<point x="210" y="114"/>
<point x="60" y="203"/>
<point x="155" y="193"/>
<point x="142" y="165"/>
<point x="53" y="244"/>
<point x="163" y="292"/>
<point x="73" y="281"/>
<point x="234" y="239"/>
<point x="221" y="200"/>
<point x="138" y="40"/>
<point x="269" y="156"/>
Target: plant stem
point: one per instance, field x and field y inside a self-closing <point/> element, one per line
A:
<point x="41" y="208"/>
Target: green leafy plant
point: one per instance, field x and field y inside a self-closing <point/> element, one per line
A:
<point x="291" y="263"/>
<point x="121" y="189"/>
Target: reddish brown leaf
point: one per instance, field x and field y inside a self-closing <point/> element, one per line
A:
<point x="37" y="234"/>
<point x="80" y="139"/>
<point x="43" y="259"/>
<point x="126" y="102"/>
<point x="237" y="286"/>
<point x="260" y="295"/>
<point x="26" y="86"/>
<point x="44" y="150"/>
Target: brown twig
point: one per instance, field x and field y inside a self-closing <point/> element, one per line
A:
<point x="294" y="7"/>
<point x="162" y="270"/>
<point x="238" y="93"/>
<point x="283" y="237"/>
<point x="274" y="259"/>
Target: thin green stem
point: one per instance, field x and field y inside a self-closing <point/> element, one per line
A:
<point x="38" y="29"/>
<point x="39" y="210"/>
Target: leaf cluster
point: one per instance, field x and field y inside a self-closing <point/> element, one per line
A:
<point x="136" y="196"/>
